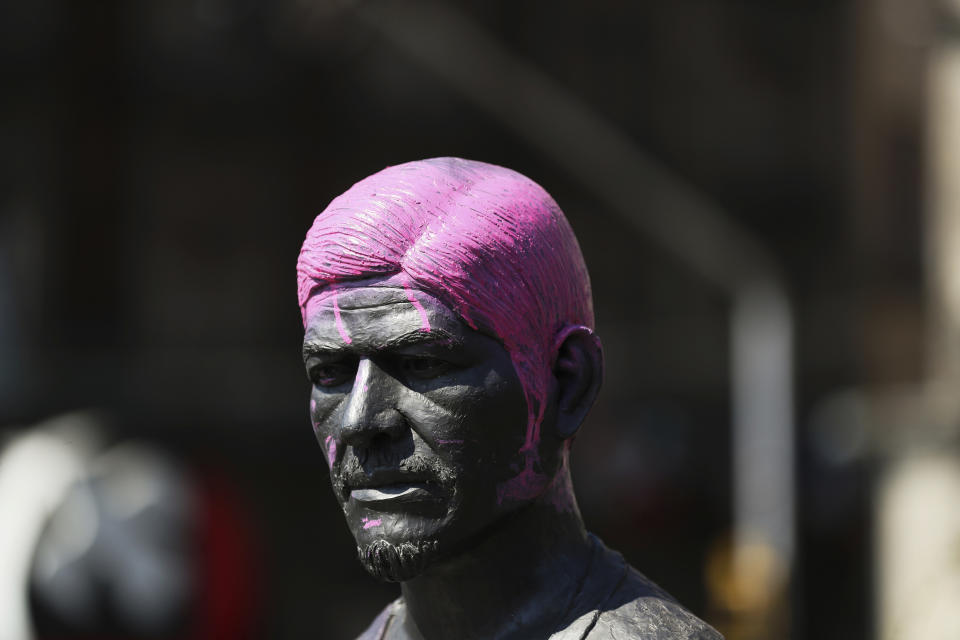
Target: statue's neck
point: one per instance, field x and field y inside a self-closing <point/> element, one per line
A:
<point x="519" y="582"/>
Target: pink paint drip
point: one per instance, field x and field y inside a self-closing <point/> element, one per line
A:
<point x="489" y="243"/>
<point x="424" y="321"/>
<point x="527" y="484"/>
<point x="336" y="316"/>
<point x="331" y="449"/>
<point x="368" y="523"/>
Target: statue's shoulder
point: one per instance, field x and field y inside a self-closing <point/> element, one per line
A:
<point x="618" y="601"/>
<point x="651" y="617"/>
<point x="378" y="627"/>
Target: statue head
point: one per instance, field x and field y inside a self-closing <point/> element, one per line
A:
<point x="449" y="340"/>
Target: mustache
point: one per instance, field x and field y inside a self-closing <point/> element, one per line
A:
<point x="415" y="468"/>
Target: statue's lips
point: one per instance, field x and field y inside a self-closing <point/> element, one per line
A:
<point x="394" y="493"/>
<point x="394" y="489"/>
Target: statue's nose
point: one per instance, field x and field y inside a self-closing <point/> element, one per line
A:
<point x="371" y="407"/>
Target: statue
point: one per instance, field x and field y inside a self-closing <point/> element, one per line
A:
<point x="448" y="338"/>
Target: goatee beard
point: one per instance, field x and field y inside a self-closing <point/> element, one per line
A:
<point x="390" y="562"/>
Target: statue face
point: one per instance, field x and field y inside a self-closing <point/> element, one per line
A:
<point x="420" y="417"/>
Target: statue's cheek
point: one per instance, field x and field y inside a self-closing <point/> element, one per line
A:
<point x="323" y="411"/>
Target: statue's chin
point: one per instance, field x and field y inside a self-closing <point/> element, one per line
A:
<point x="391" y="562"/>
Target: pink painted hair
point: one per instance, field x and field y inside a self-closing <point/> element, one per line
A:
<point x="487" y="241"/>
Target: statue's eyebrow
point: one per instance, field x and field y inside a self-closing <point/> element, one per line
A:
<point x="434" y="337"/>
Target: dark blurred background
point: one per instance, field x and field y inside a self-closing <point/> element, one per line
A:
<point x="162" y="161"/>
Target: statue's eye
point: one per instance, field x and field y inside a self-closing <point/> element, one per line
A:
<point x="332" y="374"/>
<point x="423" y="366"/>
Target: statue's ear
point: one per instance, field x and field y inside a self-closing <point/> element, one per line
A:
<point x="578" y="370"/>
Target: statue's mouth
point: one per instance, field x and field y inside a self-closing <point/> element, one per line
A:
<point x="395" y="488"/>
<point x="394" y="493"/>
<point x="391" y="491"/>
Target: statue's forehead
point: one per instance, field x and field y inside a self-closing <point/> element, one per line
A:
<point x="384" y="291"/>
<point x="396" y="281"/>
<point x="370" y="318"/>
<point x="376" y="296"/>
<point x="377" y="293"/>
